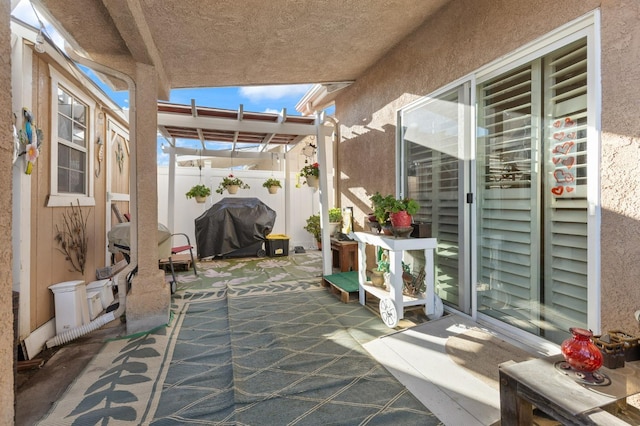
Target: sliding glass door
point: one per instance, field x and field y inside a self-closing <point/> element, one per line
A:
<point x="435" y="135"/>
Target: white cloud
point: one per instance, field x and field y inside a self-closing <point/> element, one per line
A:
<point x="260" y="93"/>
<point x="272" y="111"/>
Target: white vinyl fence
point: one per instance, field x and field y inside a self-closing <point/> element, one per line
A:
<point x="293" y="205"/>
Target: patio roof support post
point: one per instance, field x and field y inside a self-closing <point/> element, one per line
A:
<point x="171" y="196"/>
<point x="149" y="299"/>
<point x="7" y="339"/>
<point x="327" y="264"/>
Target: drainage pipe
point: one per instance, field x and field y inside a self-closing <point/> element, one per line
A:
<point x="119" y="280"/>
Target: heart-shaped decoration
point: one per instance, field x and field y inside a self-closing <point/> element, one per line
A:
<point x="558" y="190"/>
<point x="558" y="136"/>
<point x="556" y="160"/>
<point x="570" y="188"/>
<point x="564" y="148"/>
<point x="563" y="177"/>
<point x="569" y="162"/>
<point x="568" y="122"/>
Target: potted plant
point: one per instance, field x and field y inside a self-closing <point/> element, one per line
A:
<point x="231" y="184"/>
<point x="199" y="192"/>
<point x="313" y="227"/>
<point x="401" y="212"/>
<point x="272" y="185"/>
<point x="381" y="209"/>
<point x="398" y="211"/>
<point x="311" y="172"/>
<point x="335" y="219"/>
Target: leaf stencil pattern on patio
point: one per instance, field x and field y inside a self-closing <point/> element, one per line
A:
<point x="251" y="271"/>
<point x="260" y="352"/>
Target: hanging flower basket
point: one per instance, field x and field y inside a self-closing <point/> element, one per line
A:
<point x="199" y="192"/>
<point x="311" y="172"/>
<point x="313" y="182"/>
<point x="231" y="183"/>
<point x="272" y="185"/>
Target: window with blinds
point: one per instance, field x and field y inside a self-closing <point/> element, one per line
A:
<point x="532" y="210"/>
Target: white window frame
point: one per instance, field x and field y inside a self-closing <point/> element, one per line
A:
<point x="57" y="199"/>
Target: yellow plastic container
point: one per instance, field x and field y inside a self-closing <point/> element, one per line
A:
<point x="277" y="245"/>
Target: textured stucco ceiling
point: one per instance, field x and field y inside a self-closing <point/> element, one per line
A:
<point x="209" y="43"/>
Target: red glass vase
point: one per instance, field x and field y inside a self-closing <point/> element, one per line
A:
<point x="580" y="352"/>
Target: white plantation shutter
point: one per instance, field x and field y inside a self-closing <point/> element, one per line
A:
<point x="508" y="119"/>
<point x="532" y="207"/>
<point x="565" y="260"/>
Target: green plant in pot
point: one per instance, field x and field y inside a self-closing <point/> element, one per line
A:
<point x="199" y="192"/>
<point x="381" y="209"/>
<point x="311" y="172"/>
<point x="335" y="219"/>
<point x="231" y="184"/>
<point x="272" y="185"/>
<point x="401" y="211"/>
<point x="313" y="227"/>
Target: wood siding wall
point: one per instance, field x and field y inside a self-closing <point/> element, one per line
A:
<point x="47" y="263"/>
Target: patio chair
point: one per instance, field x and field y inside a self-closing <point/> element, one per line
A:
<point x="181" y="249"/>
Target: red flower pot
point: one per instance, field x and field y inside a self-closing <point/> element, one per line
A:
<point x="400" y="219"/>
<point x="580" y="352"/>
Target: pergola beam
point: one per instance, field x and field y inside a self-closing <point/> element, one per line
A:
<point x="215" y="123"/>
<point x="217" y="153"/>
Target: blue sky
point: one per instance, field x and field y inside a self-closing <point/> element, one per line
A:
<point x="254" y="98"/>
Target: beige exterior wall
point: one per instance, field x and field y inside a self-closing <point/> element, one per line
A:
<point x="7" y="346"/>
<point x="464" y="36"/>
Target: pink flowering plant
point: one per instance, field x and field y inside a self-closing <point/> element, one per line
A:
<point x="231" y="180"/>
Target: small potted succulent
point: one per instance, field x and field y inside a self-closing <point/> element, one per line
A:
<point x="231" y="184"/>
<point x="199" y="192"/>
<point x="272" y="185"/>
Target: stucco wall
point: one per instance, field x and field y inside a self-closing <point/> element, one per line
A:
<point x="6" y="311"/>
<point x="464" y="36"/>
<point x="620" y="167"/>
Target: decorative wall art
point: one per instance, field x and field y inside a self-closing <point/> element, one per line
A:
<point x="27" y="140"/>
<point x="563" y="156"/>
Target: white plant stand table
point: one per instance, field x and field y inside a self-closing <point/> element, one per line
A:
<point x="393" y="302"/>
